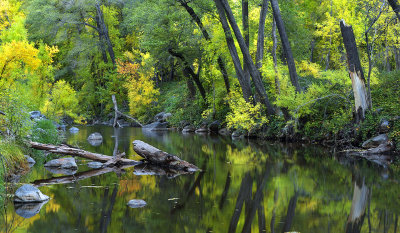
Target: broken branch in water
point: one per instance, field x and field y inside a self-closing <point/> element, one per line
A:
<point x="159" y="157"/>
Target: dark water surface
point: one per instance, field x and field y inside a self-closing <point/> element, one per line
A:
<point x="246" y="186"/>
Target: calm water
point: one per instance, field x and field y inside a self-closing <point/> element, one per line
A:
<point x="246" y="186"/>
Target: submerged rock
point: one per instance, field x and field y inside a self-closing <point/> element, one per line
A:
<point x="157" y="126"/>
<point x="73" y="130"/>
<point x="64" y="163"/>
<point x="30" y="161"/>
<point x="95" y="165"/>
<point x="29" y="193"/>
<point x="63" y="171"/>
<point x="28" y="210"/>
<point x="375" y="141"/>
<point x="95" y="139"/>
<point x="137" y="203"/>
<point x="188" y="129"/>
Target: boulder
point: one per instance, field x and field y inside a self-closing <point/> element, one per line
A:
<point x="162" y="116"/>
<point x="73" y="130"/>
<point x="36" y="115"/>
<point x="382" y="148"/>
<point x="95" y="139"/>
<point x="64" y="163"/>
<point x="214" y="126"/>
<point x="237" y="134"/>
<point x="157" y="126"/>
<point x="95" y="165"/>
<point x="137" y="203"/>
<point x="384" y="126"/>
<point x="29" y="193"/>
<point x="375" y="141"/>
<point x="28" y="210"/>
<point x="188" y="129"/>
<point x="30" y="161"/>
<point x="201" y="130"/>
<point x="224" y="131"/>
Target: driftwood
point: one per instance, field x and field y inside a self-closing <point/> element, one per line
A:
<point x="118" y="113"/>
<point x="67" y="150"/>
<point x="158" y="157"/>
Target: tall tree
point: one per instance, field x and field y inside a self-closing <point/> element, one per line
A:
<point x="254" y="72"/>
<point x="285" y="45"/>
<point x="355" y="72"/>
<point x="396" y="7"/>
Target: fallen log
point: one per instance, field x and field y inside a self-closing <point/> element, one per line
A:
<point x="67" y="150"/>
<point x="158" y="157"/>
<point x="145" y="169"/>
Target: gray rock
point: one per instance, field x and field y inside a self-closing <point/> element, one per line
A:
<point x="188" y="129"/>
<point x="95" y="165"/>
<point x="157" y="126"/>
<point x="382" y="148"/>
<point x="224" y="131"/>
<point x="28" y="210"/>
<point x="375" y="141"/>
<point x="30" y="161"/>
<point x="62" y="171"/>
<point x="29" y="193"/>
<point x="201" y="130"/>
<point x="214" y="126"/>
<point x="64" y="163"/>
<point x="35" y="115"/>
<point x="384" y="126"/>
<point x="95" y="139"/>
<point x="73" y="130"/>
<point x="162" y="116"/>
<point x="237" y="134"/>
<point x="137" y="203"/>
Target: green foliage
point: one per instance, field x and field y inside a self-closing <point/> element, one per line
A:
<point x="44" y="131"/>
<point x="386" y="93"/>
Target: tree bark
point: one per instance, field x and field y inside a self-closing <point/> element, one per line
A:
<point x="274" y="57"/>
<point x="244" y="84"/>
<point x="355" y="72"/>
<point x="67" y="150"/>
<point x="246" y="33"/>
<point x="104" y="35"/>
<point x="261" y="34"/>
<point x="285" y="45"/>
<point x="395" y="7"/>
<point x="158" y="157"/>
<point x="206" y="36"/>
<point x="255" y="74"/>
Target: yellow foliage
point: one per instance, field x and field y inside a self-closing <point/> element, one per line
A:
<point x="244" y="115"/>
<point x="17" y="55"/>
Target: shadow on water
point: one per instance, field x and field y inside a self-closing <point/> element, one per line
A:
<point x="245" y="186"/>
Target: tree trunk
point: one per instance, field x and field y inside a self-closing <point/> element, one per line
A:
<point x="118" y="113"/>
<point x="244" y="84"/>
<point x="189" y="71"/>
<point x="67" y="150"/>
<point x="103" y="34"/>
<point x="395" y="7"/>
<point x="206" y="36"/>
<point x="274" y="57"/>
<point x="285" y="45"/>
<point x="255" y="74"/>
<point x="158" y="157"/>
<point x="261" y="34"/>
<point x="355" y="72"/>
<point x="246" y="33"/>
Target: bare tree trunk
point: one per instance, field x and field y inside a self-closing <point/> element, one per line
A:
<point x="246" y="33"/>
<point x="261" y="34"/>
<point x="244" y="84"/>
<point x="285" y="45"/>
<point x="118" y="113"/>
<point x="255" y="74"/>
<point x="274" y="57"/>
<point x="355" y="72"/>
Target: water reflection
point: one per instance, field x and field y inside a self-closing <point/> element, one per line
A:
<point x="245" y="186"/>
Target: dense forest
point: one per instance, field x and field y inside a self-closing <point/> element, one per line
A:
<point x="303" y="70"/>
